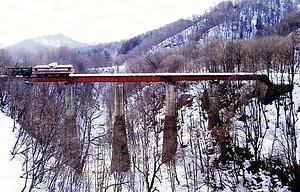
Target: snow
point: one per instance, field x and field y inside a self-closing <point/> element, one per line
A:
<point x="113" y="69"/>
<point x="11" y="170"/>
<point x="58" y="40"/>
<point x="210" y="75"/>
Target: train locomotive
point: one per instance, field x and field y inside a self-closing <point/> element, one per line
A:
<point x="50" y="70"/>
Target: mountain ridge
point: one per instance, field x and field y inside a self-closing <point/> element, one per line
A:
<point x="43" y="42"/>
<point x="59" y="40"/>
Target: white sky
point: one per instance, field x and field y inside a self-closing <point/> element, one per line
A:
<point x="91" y="21"/>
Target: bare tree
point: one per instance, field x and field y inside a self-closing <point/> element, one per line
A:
<point x="147" y="129"/>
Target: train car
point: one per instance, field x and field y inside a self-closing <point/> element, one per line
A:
<point x="52" y="70"/>
<point x="19" y="71"/>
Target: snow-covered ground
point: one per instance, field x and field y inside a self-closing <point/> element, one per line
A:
<point x="11" y="170"/>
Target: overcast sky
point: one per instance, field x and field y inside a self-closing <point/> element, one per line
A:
<point x="91" y="21"/>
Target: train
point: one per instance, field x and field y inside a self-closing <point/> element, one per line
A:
<point x="50" y="70"/>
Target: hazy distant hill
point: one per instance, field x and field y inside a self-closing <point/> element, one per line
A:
<point x="26" y="46"/>
<point x="227" y="20"/>
<point x="59" y="40"/>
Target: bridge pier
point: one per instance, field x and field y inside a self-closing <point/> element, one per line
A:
<point x="70" y="141"/>
<point x="213" y="114"/>
<point x="170" y="130"/>
<point x="120" y="156"/>
<point x="69" y="100"/>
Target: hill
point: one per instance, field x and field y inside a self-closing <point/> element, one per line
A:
<point x="226" y="135"/>
<point x="43" y="43"/>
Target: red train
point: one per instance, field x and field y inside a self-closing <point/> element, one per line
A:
<point x="50" y="70"/>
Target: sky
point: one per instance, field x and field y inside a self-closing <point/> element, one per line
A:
<point x="91" y="21"/>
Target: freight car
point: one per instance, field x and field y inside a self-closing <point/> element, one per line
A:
<point x="19" y="72"/>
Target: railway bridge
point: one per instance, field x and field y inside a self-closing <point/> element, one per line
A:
<point x="120" y="154"/>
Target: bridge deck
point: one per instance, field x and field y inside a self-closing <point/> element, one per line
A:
<point x="148" y="77"/>
<point x="140" y="77"/>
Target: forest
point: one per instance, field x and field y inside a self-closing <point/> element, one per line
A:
<point x="252" y="144"/>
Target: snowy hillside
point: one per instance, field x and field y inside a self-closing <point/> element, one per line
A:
<point x="44" y="43"/>
<point x="58" y="40"/>
<point x="242" y="136"/>
<point x="11" y="169"/>
<point x="196" y="172"/>
<point x="196" y="146"/>
<point x="239" y="21"/>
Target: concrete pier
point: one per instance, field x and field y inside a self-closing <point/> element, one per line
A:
<point x="213" y="115"/>
<point x="170" y="130"/>
<point x="120" y="156"/>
